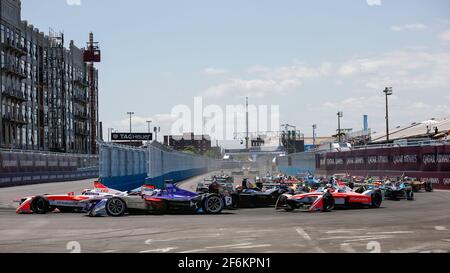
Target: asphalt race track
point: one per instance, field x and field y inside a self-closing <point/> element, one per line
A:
<point x="403" y="226"/>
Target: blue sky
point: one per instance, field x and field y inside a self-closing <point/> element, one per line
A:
<point x="312" y="58"/>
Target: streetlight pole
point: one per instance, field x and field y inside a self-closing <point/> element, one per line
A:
<point x="149" y="122"/>
<point x="340" y="115"/>
<point x="388" y="92"/>
<point x="247" y="146"/>
<point x="131" y="115"/>
<point x="110" y="131"/>
<point x="314" y="135"/>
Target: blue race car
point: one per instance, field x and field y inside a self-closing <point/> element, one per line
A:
<point x="399" y="190"/>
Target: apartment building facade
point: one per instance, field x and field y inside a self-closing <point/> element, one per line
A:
<point x="46" y="89"/>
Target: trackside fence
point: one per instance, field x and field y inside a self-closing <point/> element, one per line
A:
<point x="126" y="168"/>
<point x="297" y="163"/>
<point x="34" y="167"/>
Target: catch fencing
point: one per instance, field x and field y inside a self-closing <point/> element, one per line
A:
<point x="33" y="167"/>
<point x="294" y="164"/>
<point x="126" y="168"/>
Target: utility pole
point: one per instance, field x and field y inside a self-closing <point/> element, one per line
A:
<point x="110" y="131"/>
<point x="149" y="123"/>
<point x="246" y="126"/>
<point x="131" y="115"/>
<point x="156" y="130"/>
<point x="340" y="115"/>
<point x="388" y="91"/>
<point x="314" y="135"/>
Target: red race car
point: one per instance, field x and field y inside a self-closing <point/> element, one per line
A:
<point x="65" y="202"/>
<point x="328" y="198"/>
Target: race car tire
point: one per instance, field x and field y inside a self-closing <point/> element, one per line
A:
<point x="40" y="205"/>
<point x="282" y="201"/>
<point x="328" y="203"/>
<point x="235" y="198"/>
<point x="115" y="207"/>
<point x="213" y="204"/>
<point x="377" y="199"/>
<point x="428" y="187"/>
<point x="410" y="196"/>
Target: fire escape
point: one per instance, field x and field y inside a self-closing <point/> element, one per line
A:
<point x="13" y="66"/>
<point x="57" y="94"/>
<point x="92" y="55"/>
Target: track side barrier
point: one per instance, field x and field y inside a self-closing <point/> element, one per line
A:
<point x="23" y="167"/>
<point x="294" y="164"/>
<point x="127" y="168"/>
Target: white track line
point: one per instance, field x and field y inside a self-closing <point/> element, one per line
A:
<point x="251" y="246"/>
<point x="306" y="236"/>
<point x="370" y="239"/>
<point x="254" y="231"/>
<point x="347" y="248"/>
<point x="228" y="246"/>
<point x="193" y="251"/>
<point x="344" y="231"/>
<point x="349" y="237"/>
<point x="440" y="228"/>
<point x="160" y="250"/>
<point x="303" y="234"/>
<point x="390" y="232"/>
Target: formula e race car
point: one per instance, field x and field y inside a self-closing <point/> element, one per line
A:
<point x="419" y="185"/>
<point x="252" y="196"/>
<point x="399" y="190"/>
<point x="66" y="202"/>
<point x="327" y="198"/>
<point x="160" y="201"/>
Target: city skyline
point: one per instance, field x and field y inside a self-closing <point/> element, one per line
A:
<point x="310" y="58"/>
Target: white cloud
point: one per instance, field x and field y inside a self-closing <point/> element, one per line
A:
<point x="139" y="123"/>
<point x="256" y="87"/>
<point x="404" y="69"/>
<point x="263" y="81"/>
<point x="409" y="27"/>
<point x="374" y="107"/>
<point x="445" y="36"/>
<point x="373" y="2"/>
<point x="214" y="71"/>
<point x="73" y="2"/>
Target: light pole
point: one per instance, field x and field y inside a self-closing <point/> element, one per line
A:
<point x="110" y="131"/>
<point x="340" y="115"/>
<point x="388" y="92"/>
<point x="247" y="146"/>
<point x="131" y="115"/>
<point x="149" y="123"/>
<point x="156" y="130"/>
<point x="314" y="135"/>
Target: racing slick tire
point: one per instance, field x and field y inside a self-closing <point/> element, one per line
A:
<point x="40" y="205"/>
<point x="377" y="199"/>
<point x="410" y="196"/>
<point x="428" y="187"/>
<point x="235" y="198"/>
<point x="328" y="203"/>
<point x="115" y="207"/>
<point x="282" y="201"/>
<point x="213" y="204"/>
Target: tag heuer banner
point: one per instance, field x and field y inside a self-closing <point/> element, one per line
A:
<point x="131" y="137"/>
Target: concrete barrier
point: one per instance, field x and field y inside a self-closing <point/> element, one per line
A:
<point x="35" y="167"/>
